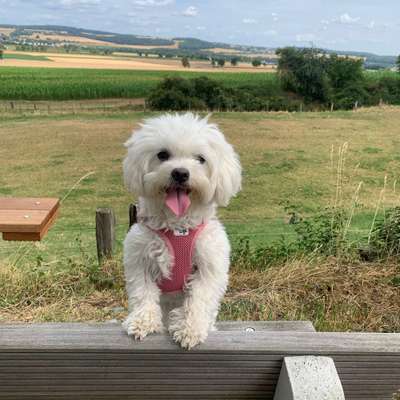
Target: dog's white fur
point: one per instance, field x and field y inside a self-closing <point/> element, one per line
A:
<point x="146" y="257"/>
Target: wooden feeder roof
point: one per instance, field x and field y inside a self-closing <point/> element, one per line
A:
<point x="27" y="219"/>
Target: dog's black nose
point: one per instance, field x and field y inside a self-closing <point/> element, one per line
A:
<point x="180" y="175"/>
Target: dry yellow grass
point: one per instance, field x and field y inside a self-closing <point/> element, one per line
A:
<point x="336" y="296"/>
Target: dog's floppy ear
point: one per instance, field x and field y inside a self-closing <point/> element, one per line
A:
<point x="228" y="171"/>
<point x="133" y="165"/>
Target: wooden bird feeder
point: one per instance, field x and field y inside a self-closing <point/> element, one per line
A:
<point x="27" y="219"/>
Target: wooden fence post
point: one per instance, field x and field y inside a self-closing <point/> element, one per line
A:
<point x="105" y="232"/>
<point x="132" y="215"/>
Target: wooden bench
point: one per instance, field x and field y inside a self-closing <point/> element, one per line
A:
<point x="240" y="361"/>
<point x="27" y="219"/>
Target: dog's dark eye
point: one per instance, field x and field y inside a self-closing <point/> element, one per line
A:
<point x="163" y="155"/>
<point x="201" y="159"/>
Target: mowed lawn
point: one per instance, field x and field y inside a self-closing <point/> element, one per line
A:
<point x="289" y="162"/>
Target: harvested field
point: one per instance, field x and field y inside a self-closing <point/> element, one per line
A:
<point x="92" y="42"/>
<point x="7" y="31"/>
<point x="61" y="60"/>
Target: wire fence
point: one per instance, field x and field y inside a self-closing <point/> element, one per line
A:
<point x="70" y="107"/>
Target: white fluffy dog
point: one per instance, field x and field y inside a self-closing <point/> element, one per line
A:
<point x="176" y="257"/>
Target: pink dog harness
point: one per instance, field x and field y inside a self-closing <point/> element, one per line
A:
<point x="180" y="245"/>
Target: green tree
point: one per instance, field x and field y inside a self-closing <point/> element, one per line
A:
<point x="323" y="78"/>
<point x="185" y="62"/>
<point x="303" y="71"/>
<point x="256" y="63"/>
<point x="221" y="62"/>
<point x="1" y="54"/>
<point x="398" y="63"/>
<point x="234" y="61"/>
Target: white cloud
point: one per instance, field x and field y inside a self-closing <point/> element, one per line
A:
<point x="201" y="28"/>
<point x="153" y="3"/>
<point x="249" y="21"/>
<point x="275" y="17"/>
<point x="371" y="25"/>
<point x="305" y="37"/>
<point x="325" y="22"/>
<point x="71" y="3"/>
<point x="190" y="12"/>
<point x="347" y="19"/>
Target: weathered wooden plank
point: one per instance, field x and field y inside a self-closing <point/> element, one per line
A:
<point x="248" y="326"/>
<point x="92" y="337"/>
<point x="98" y="361"/>
<point x="209" y="395"/>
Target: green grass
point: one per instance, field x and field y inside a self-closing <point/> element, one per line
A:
<point x="18" y="56"/>
<point x="376" y="75"/>
<point x="286" y="160"/>
<point x="287" y="164"/>
<point x="75" y="84"/>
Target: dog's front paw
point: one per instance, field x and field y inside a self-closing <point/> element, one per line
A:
<point x="139" y="326"/>
<point x="187" y="336"/>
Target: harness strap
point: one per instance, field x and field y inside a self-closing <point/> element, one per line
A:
<point x="180" y="246"/>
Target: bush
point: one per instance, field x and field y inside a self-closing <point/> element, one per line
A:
<point x="389" y="89"/>
<point x="221" y="62"/>
<point x="346" y="97"/>
<point x="322" y="233"/>
<point x="385" y="238"/>
<point x="185" y="62"/>
<point x="178" y="94"/>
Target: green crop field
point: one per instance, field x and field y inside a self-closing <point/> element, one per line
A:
<point x="74" y="84"/>
<point x="19" y="56"/>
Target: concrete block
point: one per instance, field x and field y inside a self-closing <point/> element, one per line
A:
<point x="308" y="378"/>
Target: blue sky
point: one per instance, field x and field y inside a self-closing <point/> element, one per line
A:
<point x="365" y="25"/>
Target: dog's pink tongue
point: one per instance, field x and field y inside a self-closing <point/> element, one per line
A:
<point x="177" y="201"/>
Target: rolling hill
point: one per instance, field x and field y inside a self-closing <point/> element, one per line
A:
<point x="56" y="36"/>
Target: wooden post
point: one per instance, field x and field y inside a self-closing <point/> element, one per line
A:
<point x="105" y="232"/>
<point x="332" y="107"/>
<point x="132" y="215"/>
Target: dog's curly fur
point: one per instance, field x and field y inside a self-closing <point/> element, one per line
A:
<point x="215" y="176"/>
